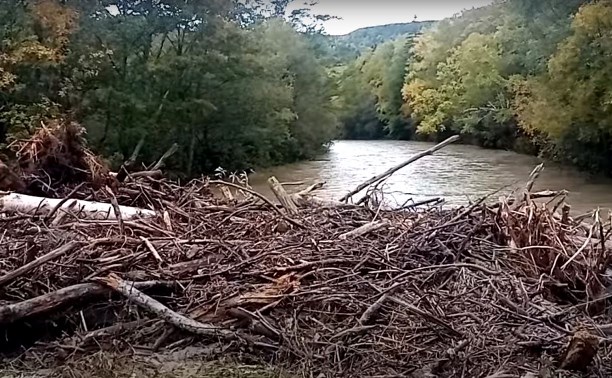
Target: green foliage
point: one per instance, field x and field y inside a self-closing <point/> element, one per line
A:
<point x="230" y="83"/>
<point x="370" y="96"/>
<point x="571" y="103"/>
<point x="487" y="74"/>
<point x="250" y="83"/>
<point x="517" y="74"/>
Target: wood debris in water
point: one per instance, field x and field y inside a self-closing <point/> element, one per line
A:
<point x="431" y="291"/>
<point x="320" y="288"/>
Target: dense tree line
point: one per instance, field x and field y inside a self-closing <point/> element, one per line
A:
<point x="231" y="82"/>
<point x="518" y="74"/>
<point x="249" y="83"/>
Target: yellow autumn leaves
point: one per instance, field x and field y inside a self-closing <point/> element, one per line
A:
<point x="44" y="43"/>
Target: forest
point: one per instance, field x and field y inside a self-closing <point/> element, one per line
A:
<point x="535" y="77"/>
<point x="256" y="83"/>
<point x="229" y="83"/>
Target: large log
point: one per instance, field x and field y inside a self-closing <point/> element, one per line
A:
<point x="51" y="301"/>
<point x="21" y="203"/>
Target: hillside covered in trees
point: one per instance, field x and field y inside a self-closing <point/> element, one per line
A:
<point x="348" y="47"/>
<point x="531" y="76"/>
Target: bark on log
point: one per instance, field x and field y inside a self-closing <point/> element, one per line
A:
<point x="160" y="163"/>
<point x="306" y="201"/>
<point x="282" y="196"/>
<point x="227" y="193"/>
<point x="580" y="352"/>
<point x="38" y="262"/>
<point x="366" y="228"/>
<point x="153" y="174"/>
<point x="155" y="307"/>
<point x="51" y="301"/>
<point x="21" y="203"/>
<point x="391" y="171"/>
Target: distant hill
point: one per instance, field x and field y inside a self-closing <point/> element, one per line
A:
<point x="374" y="35"/>
<point x="343" y="48"/>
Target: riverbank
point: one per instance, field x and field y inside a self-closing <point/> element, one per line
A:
<point x="310" y="287"/>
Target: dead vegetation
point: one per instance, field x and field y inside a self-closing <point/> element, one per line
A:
<point x="53" y="159"/>
<point x="507" y="289"/>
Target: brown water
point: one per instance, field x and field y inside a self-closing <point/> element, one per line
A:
<point x="458" y="173"/>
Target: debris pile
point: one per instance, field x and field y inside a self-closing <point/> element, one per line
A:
<point x="513" y="288"/>
<point x="52" y="160"/>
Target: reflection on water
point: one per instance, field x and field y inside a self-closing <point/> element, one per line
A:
<point x="457" y="173"/>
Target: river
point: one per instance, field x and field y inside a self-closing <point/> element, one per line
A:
<point x="458" y="173"/>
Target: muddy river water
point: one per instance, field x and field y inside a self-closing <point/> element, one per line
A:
<point x="457" y="173"/>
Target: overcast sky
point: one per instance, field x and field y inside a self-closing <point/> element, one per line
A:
<point x="360" y="13"/>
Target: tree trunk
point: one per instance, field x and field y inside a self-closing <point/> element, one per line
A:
<point x="21" y="203"/>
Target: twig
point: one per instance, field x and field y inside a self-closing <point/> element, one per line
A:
<point x="415" y="310"/>
<point x="64" y="200"/>
<point x="152" y="249"/>
<point x="116" y="209"/>
<point x="370" y="311"/>
<point x="587" y="241"/>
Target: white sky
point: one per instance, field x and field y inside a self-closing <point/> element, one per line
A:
<point x="361" y="13"/>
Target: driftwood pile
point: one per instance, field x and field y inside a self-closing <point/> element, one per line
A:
<point x="53" y="159"/>
<point x="510" y="289"/>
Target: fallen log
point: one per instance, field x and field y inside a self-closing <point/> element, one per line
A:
<point x="62" y="297"/>
<point x="21" y="203"/>
<point x="180" y="321"/>
<point x="391" y="171"/>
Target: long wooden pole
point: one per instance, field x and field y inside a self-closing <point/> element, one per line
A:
<point x="21" y="203"/>
<point x="66" y="248"/>
<point x="391" y="171"/>
<point x="51" y="301"/>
